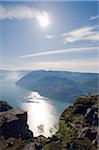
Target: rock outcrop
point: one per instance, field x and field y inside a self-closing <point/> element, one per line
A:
<point x="4" y="106"/>
<point x="13" y="123"/>
<point x="83" y="118"/>
<point x="77" y="128"/>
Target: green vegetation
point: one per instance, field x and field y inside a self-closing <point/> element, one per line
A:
<point x="65" y="132"/>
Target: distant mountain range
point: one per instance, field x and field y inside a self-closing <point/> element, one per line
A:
<point x="60" y="85"/>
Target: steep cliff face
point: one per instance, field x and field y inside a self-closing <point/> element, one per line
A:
<point x="82" y="120"/>
<point x="13" y="123"/>
<point x="77" y="129"/>
<point x="77" y="126"/>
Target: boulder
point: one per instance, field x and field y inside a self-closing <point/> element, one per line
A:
<point x="83" y="103"/>
<point x="13" y="123"/>
<point x="89" y="133"/>
<point x="91" y="116"/>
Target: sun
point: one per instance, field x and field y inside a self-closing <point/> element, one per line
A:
<point x="43" y="19"/>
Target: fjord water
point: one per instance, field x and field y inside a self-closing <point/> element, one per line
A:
<point x="43" y="113"/>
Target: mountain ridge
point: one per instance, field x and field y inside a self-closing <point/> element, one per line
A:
<point x="60" y="85"/>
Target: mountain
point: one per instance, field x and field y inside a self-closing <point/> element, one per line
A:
<point x="60" y="85"/>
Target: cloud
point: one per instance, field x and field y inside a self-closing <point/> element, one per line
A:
<point x="51" y="36"/>
<point x="94" y="17"/>
<point x="21" y="12"/>
<point x="43" y="53"/>
<point x="67" y="65"/>
<point x="81" y="34"/>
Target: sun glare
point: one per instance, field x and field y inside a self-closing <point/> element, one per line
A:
<point x="40" y="112"/>
<point x="43" y="19"/>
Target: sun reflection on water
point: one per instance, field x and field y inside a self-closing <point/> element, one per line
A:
<point x="41" y="115"/>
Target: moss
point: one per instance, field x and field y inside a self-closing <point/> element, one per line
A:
<point x="66" y="113"/>
<point x="65" y="132"/>
<point x="72" y="116"/>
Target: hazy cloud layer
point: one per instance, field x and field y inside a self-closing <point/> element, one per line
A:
<point x="43" y="53"/>
<point x="50" y="36"/>
<point x="73" y="65"/>
<point x="94" y="17"/>
<point x="20" y="12"/>
<point x="81" y="34"/>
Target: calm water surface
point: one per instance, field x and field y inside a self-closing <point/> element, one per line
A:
<point x="43" y="113"/>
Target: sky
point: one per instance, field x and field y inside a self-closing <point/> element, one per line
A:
<point x="53" y="35"/>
